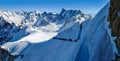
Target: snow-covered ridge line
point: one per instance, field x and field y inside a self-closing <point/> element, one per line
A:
<point x="46" y="21"/>
<point x="33" y="16"/>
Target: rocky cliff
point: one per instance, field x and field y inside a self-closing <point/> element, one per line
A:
<point x="114" y="19"/>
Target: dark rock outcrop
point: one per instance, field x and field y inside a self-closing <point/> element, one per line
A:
<point x="114" y="19"/>
<point x="5" y="55"/>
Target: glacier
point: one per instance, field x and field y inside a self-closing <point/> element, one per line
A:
<point x="88" y="40"/>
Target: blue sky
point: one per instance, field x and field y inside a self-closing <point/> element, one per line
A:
<point x="88" y="6"/>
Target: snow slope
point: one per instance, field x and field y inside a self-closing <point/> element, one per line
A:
<point x="95" y="42"/>
<point x="26" y="37"/>
<point x="71" y="33"/>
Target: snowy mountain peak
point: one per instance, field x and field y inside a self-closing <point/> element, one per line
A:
<point x="44" y="21"/>
<point x="66" y="36"/>
<point x="70" y="13"/>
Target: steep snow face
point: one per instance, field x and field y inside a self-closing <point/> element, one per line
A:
<point x="97" y="42"/>
<point x="71" y="33"/>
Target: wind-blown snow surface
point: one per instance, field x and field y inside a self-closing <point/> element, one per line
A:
<point x="94" y="43"/>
